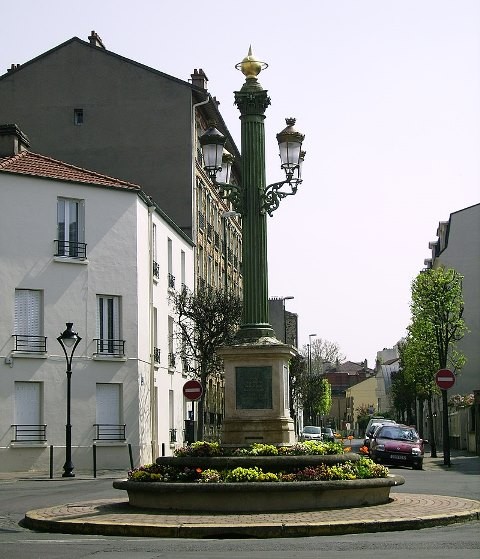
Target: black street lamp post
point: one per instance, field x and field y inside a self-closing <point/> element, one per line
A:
<point x="68" y="339"/>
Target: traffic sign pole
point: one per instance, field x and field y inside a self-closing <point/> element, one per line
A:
<point x="445" y="379"/>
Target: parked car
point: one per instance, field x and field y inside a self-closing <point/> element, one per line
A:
<point x="311" y="433"/>
<point x="372" y="426"/>
<point x="397" y="444"/>
<point x="328" y="434"/>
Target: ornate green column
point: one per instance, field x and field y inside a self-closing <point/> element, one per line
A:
<point x="252" y="101"/>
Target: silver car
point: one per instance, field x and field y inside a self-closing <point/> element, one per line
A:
<point x="312" y="433"/>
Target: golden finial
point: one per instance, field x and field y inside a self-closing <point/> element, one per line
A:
<point x="250" y="66"/>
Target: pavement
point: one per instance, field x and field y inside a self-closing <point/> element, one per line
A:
<point x="404" y="511"/>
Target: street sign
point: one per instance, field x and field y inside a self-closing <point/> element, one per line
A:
<point x="445" y="379"/>
<point x="192" y="390"/>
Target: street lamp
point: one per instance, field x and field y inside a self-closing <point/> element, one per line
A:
<point x="310" y="336"/>
<point x="253" y="199"/>
<point x="68" y="339"/>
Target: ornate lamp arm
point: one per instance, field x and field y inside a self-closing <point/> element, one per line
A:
<point x="273" y="195"/>
<point x="231" y="192"/>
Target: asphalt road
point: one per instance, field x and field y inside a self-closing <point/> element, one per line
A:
<point x="459" y="540"/>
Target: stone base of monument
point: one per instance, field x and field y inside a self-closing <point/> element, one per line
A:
<point x="257" y="407"/>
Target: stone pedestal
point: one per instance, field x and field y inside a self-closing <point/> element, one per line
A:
<point x="257" y="407"/>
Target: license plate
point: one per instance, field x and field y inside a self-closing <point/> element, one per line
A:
<point x="398" y="457"/>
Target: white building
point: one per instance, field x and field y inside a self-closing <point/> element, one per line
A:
<point x="77" y="246"/>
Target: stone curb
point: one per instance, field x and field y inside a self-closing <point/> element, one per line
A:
<point x="118" y="518"/>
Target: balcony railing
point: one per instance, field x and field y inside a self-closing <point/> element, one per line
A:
<point x="156" y="354"/>
<point x="171" y="281"/>
<point x="110" y="347"/>
<point x="171" y="359"/>
<point x="156" y="270"/>
<point x="30" y="344"/>
<point x="32" y="433"/>
<point x="109" y="432"/>
<point x="173" y="435"/>
<point x="71" y="249"/>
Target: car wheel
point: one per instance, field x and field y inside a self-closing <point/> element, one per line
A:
<point x="417" y="465"/>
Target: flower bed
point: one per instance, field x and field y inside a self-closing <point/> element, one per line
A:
<point x="306" y="476"/>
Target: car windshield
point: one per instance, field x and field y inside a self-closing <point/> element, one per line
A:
<point x="311" y="430"/>
<point x="398" y="433"/>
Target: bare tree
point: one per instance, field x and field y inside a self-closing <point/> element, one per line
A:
<point x="205" y="320"/>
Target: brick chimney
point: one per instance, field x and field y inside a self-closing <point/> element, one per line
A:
<point x="95" y="41"/>
<point x="12" y="140"/>
<point x="199" y="79"/>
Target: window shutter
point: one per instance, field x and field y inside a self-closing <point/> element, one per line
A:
<point x="108" y="403"/>
<point x="28" y="312"/>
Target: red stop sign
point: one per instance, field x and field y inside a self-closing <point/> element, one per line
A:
<point x="445" y="379"/>
<point x="192" y="390"/>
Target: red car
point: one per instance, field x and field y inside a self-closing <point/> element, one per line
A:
<point x="397" y="444"/>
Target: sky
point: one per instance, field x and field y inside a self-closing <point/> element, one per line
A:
<point x="387" y="93"/>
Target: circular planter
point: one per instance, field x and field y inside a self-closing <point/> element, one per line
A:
<point x="258" y="496"/>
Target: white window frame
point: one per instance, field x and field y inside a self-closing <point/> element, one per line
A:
<point x="29" y="316"/>
<point x="70" y="225"/>
<point x="28" y="411"/>
<point x="108" y="323"/>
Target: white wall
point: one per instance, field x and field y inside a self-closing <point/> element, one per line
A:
<point x="116" y="233"/>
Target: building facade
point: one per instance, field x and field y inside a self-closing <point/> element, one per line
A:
<point x="77" y="246"/>
<point x="85" y="105"/>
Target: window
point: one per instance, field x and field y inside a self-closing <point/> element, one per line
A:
<point x="156" y="267"/>
<point x="171" y="416"/>
<point x="171" y="354"/>
<point x="108" y="325"/>
<point x="71" y="228"/>
<point x="182" y="268"/>
<point x="78" y="117"/>
<point x="109" y="412"/>
<point x="171" y="277"/>
<point x="28" y="328"/>
<point x="28" y="412"/>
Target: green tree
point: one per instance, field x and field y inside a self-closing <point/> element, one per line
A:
<point x="437" y="325"/>
<point x="205" y="320"/>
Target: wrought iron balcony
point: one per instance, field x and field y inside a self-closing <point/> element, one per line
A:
<point x="156" y="270"/>
<point x="30" y="344"/>
<point x="109" y="432"/>
<point x="171" y="359"/>
<point x="110" y="347"/>
<point x="173" y="435"/>
<point x="71" y="249"/>
<point x="32" y="433"/>
<point x="171" y="281"/>
<point x="156" y="354"/>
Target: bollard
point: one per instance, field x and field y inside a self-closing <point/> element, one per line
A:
<point x="51" y="461"/>
<point x="130" y="453"/>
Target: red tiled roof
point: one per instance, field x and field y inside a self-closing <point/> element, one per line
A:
<point x="34" y="164"/>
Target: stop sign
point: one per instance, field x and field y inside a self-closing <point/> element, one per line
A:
<point x="192" y="390"/>
<point x="445" y="379"/>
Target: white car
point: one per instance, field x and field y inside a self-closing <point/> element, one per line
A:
<point x="312" y="433"/>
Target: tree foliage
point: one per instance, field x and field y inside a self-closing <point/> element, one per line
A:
<point x="436" y="326"/>
<point x="437" y="314"/>
<point x="205" y="320"/>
